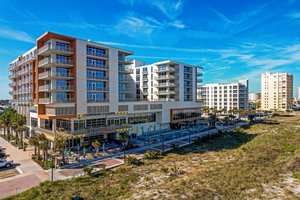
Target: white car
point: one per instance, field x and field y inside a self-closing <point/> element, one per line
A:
<point x="6" y="163"/>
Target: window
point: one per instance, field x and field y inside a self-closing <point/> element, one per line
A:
<point x="94" y="74"/>
<point x="90" y="62"/>
<point x="95" y="51"/>
<point x="62" y="46"/>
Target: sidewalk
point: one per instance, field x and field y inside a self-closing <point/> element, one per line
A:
<point x="31" y="173"/>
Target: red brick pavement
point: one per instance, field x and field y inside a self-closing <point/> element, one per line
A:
<point x="17" y="185"/>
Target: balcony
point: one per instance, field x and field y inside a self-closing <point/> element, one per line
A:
<point x="165" y="85"/>
<point x="165" y="69"/>
<point x="126" y="71"/>
<point x="105" y="89"/>
<point x="125" y="90"/>
<point x="145" y="86"/>
<point x="52" y="75"/>
<point x="199" y="74"/>
<point x="124" y="60"/>
<point x="44" y="88"/>
<point x="48" y="62"/>
<point x="100" y="67"/>
<point x="166" y="77"/>
<point x="54" y="100"/>
<point x="166" y="92"/>
<point x="102" y="78"/>
<point x="124" y="80"/>
<point x="97" y="100"/>
<point x="12" y="76"/>
<point x="51" y="49"/>
<point x="96" y="54"/>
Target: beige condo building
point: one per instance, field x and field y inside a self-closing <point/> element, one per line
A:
<point x="276" y="91"/>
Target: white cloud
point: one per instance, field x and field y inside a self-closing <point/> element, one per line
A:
<point x="222" y="16"/>
<point x="13" y="34"/>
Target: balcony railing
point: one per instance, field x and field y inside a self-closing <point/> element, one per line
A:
<point x="55" y="87"/>
<point x="166" y="92"/>
<point x="98" y="89"/>
<point x="54" y="48"/>
<point x="46" y="61"/>
<point x="97" y="100"/>
<point x="166" y="85"/>
<point x="165" y="69"/>
<point x="166" y="77"/>
<point x="124" y="70"/>
<point x="55" y="74"/>
<point x="55" y="100"/>
<point x="102" y="55"/>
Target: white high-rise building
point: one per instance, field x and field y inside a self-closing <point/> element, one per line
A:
<point x="276" y="91"/>
<point x="227" y="96"/>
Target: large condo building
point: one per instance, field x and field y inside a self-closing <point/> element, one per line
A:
<point x="276" y="91"/>
<point x="228" y="96"/>
<point x="166" y="81"/>
<point x="92" y="91"/>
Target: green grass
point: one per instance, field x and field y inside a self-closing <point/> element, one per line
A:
<point x="235" y="165"/>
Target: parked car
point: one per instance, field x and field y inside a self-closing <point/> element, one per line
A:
<point x="6" y="163"/>
<point x="2" y="155"/>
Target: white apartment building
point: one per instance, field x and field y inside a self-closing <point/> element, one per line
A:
<point x="21" y="76"/>
<point x="276" y="91"/>
<point x="228" y="96"/>
<point x="89" y="91"/>
<point x="166" y="81"/>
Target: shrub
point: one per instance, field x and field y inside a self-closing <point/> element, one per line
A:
<point x="88" y="170"/>
<point x="151" y="154"/>
<point x="131" y="160"/>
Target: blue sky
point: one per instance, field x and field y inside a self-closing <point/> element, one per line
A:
<point x="231" y="39"/>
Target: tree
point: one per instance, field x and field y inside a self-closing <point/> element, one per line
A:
<point x="34" y="142"/>
<point x="41" y="139"/>
<point x="96" y="144"/>
<point x="18" y="125"/>
<point x="59" y="144"/>
<point x="6" y="119"/>
<point x="124" y="137"/>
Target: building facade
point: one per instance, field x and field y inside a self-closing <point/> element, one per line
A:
<point x="276" y="91"/>
<point x="166" y="81"/>
<point x="227" y="96"/>
<point x="22" y="82"/>
<point x="86" y="91"/>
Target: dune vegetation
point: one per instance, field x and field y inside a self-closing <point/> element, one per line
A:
<point x="261" y="162"/>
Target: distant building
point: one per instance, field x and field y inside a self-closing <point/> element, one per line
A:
<point x="254" y="100"/>
<point x="253" y="97"/>
<point x="227" y="96"/>
<point x="276" y="91"/>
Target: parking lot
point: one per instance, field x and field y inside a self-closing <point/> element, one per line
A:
<point x="8" y="172"/>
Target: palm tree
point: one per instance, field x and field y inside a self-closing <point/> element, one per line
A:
<point x="124" y="137"/>
<point x="41" y="139"/>
<point x="44" y="147"/>
<point x="96" y="144"/>
<point x="6" y="118"/>
<point x="18" y="125"/>
<point x="34" y="142"/>
<point x="59" y="144"/>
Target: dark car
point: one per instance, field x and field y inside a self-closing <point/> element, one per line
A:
<point x="2" y="155"/>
